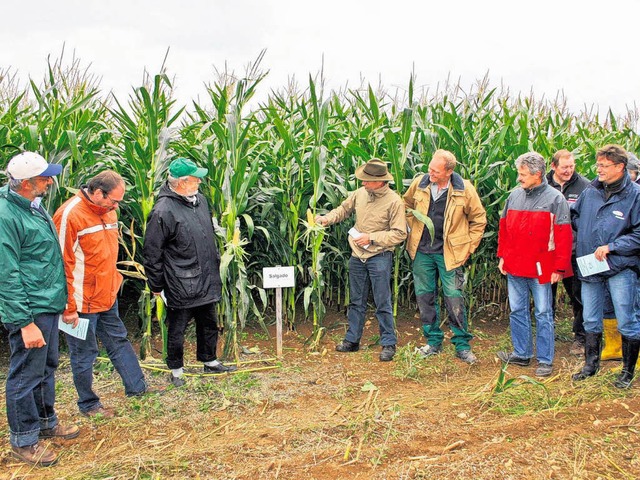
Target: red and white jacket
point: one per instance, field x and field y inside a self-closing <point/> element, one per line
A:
<point x="89" y="242"/>
<point x="535" y="234"/>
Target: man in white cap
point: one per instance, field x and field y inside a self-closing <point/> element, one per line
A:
<point x="380" y="226"/>
<point x="33" y="294"/>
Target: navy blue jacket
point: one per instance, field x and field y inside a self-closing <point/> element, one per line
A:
<point x="615" y="222"/>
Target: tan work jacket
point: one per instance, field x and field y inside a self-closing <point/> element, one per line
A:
<point x="464" y="218"/>
<point x="379" y="213"/>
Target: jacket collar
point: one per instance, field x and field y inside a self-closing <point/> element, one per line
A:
<point x="556" y="185"/>
<point x="380" y="192"/>
<point x="15" y="198"/>
<point x="456" y="181"/>
<point x="538" y="188"/>
<point x="626" y="180"/>
<point x="97" y="209"/>
<point x="165" y="191"/>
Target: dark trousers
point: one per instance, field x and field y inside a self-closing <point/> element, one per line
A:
<point x="30" y="390"/>
<point x="572" y="285"/>
<point x="206" y="333"/>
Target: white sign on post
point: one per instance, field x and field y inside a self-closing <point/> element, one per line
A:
<point x="278" y="278"/>
<point x="274" y="277"/>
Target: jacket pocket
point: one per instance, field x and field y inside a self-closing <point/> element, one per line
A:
<point x="460" y="246"/>
<point x="188" y="282"/>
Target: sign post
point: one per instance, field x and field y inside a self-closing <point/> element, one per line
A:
<point x="278" y="278"/>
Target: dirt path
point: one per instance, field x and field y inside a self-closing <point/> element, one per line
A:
<point x="333" y="416"/>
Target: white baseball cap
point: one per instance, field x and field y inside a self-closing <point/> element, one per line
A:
<point x="29" y="165"/>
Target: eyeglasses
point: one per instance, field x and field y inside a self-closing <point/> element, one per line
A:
<point x="604" y="165"/>
<point x="113" y="200"/>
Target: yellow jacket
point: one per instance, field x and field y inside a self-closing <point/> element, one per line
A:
<point x="464" y="218"/>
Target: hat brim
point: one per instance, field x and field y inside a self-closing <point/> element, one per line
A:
<point x="361" y="175"/>
<point x="52" y="170"/>
<point x="200" y="172"/>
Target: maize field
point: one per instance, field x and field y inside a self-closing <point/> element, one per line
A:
<point x="278" y="158"/>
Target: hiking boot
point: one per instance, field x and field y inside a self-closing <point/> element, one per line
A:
<point x="429" y="350"/>
<point x="176" y="381"/>
<point x="544" y="370"/>
<point x="387" y="353"/>
<point x="99" y="410"/>
<point x="513" y="359"/>
<point x="347" y="346"/>
<point x="35" y="455"/>
<point x="467" y="356"/>
<point x="219" y="368"/>
<point x="577" y="348"/>
<point x="64" y="433"/>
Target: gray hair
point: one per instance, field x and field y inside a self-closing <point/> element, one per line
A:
<point x="14" y="184"/>
<point x="633" y="162"/>
<point x="173" y="181"/>
<point x="533" y="161"/>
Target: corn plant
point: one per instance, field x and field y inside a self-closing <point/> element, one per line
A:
<point x="142" y="156"/>
<point x="220" y="140"/>
<point x="295" y="151"/>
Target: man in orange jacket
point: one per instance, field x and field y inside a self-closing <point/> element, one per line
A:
<point x="88" y="229"/>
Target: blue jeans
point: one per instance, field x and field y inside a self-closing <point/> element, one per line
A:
<point x="623" y="288"/>
<point x="377" y="272"/>
<point x="30" y="390"/>
<point x="520" y="318"/>
<point x="107" y="327"/>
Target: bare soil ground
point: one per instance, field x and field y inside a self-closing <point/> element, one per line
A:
<point x="331" y="415"/>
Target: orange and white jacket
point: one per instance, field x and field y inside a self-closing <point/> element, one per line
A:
<point x="89" y="242"/>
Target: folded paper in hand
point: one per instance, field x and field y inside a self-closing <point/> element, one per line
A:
<point x="79" y="332"/>
<point x="589" y="265"/>
<point x="355" y="234"/>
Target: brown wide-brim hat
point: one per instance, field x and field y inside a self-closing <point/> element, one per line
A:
<point x="375" y="170"/>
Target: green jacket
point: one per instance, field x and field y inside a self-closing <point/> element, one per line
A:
<point x="32" y="279"/>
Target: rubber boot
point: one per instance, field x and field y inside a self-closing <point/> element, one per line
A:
<point x="612" y="341"/>
<point x="592" y="344"/>
<point x="630" y="350"/>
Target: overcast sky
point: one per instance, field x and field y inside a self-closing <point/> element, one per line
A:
<point x="586" y="49"/>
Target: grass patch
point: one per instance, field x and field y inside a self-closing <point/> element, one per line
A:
<point x="564" y="329"/>
<point x="524" y="395"/>
<point x="233" y="390"/>
<point x="408" y="365"/>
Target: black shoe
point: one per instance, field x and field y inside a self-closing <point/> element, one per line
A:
<point x="347" y="346"/>
<point x="176" y="381"/>
<point x="513" y="359"/>
<point x="219" y="368"/>
<point x="387" y="353"/>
